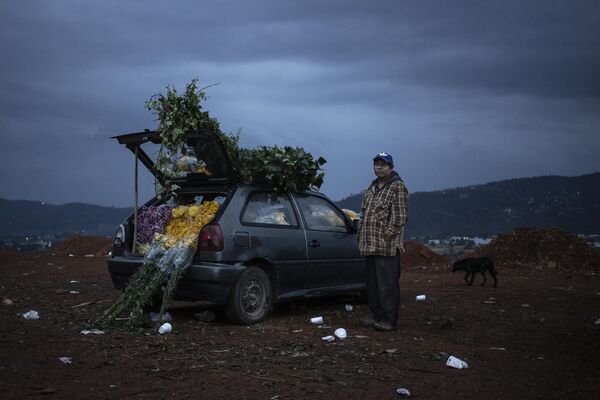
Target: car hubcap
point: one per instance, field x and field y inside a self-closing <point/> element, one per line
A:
<point x="253" y="297"/>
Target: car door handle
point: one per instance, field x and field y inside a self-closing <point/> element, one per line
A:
<point x="315" y="244"/>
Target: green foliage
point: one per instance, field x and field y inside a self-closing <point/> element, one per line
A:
<point x="284" y="168"/>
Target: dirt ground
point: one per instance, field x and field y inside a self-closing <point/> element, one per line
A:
<point x="535" y="336"/>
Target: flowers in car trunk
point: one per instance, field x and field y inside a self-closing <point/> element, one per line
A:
<point x="152" y="220"/>
<point x="186" y="223"/>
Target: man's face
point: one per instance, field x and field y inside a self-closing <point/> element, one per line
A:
<point x="382" y="169"/>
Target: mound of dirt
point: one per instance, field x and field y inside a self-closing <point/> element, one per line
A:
<point x="542" y="249"/>
<point x="80" y="245"/>
<point x="419" y="255"/>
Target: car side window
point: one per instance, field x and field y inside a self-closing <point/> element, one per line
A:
<point x="269" y="208"/>
<point x="320" y="215"/>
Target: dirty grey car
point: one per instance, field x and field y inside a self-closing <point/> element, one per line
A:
<point x="262" y="247"/>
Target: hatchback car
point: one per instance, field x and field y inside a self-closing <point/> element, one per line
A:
<point x="262" y="247"/>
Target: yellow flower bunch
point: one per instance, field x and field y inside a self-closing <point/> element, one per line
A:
<point x="186" y="223"/>
<point x="203" y="170"/>
<point x="352" y="214"/>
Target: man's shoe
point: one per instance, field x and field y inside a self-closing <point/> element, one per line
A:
<point x="384" y="326"/>
<point x="367" y="322"/>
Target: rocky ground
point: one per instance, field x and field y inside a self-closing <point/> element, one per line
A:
<point x="537" y="335"/>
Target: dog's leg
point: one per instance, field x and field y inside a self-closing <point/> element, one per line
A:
<point x="493" y="273"/>
<point x="471" y="280"/>
<point x="484" y="278"/>
<point x="467" y="276"/>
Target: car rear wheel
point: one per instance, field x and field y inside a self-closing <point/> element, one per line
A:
<point x="250" y="300"/>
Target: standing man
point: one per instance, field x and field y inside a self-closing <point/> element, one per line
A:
<point x="384" y="213"/>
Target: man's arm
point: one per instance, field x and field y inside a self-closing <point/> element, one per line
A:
<point x="399" y="211"/>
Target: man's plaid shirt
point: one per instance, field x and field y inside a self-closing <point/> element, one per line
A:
<point x="384" y="214"/>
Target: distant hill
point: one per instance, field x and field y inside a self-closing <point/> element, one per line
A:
<point x="568" y="203"/>
<point x="20" y="217"/>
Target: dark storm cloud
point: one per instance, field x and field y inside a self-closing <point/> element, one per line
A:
<point x="514" y="83"/>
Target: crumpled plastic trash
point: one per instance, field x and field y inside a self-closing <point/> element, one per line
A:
<point x="92" y="332"/>
<point x="32" y="314"/>
<point x="165" y="318"/>
<point x="597" y="321"/>
<point x="328" y="338"/>
<point x="403" y="392"/>
<point x="348" y="307"/>
<point x="65" y="360"/>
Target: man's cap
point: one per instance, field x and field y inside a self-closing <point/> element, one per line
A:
<point x="385" y="157"/>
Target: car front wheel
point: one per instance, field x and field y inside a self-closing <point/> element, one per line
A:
<point x="250" y="299"/>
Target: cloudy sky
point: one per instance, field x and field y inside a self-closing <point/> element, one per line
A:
<point x="459" y="92"/>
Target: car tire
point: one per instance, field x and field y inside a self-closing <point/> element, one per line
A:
<point x="250" y="299"/>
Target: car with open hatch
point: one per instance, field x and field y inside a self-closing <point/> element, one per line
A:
<point x="261" y="247"/>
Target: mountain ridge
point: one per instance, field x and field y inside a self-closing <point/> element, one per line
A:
<point x="568" y="203"/>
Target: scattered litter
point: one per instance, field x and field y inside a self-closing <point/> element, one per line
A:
<point x="8" y="302"/>
<point x="489" y="302"/>
<point x="328" y="338"/>
<point x="65" y="360"/>
<point x="71" y="255"/>
<point x="421" y="297"/>
<point x="73" y="281"/>
<point x="498" y="348"/>
<point x="403" y="392"/>
<point x="391" y="351"/>
<point x="165" y="328"/>
<point x="89" y="255"/>
<point x="32" y="314"/>
<point x="316" y="320"/>
<point x="92" y="332"/>
<point x="206" y="316"/>
<point x="297" y="330"/>
<point x="74" y="292"/>
<point x="597" y="322"/>
<point x="165" y="318"/>
<point x="455" y="362"/>
<point x="340" y="333"/>
<point x="361" y="337"/>
<point x="348" y="307"/>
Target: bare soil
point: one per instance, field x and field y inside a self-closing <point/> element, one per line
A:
<point x="534" y="336"/>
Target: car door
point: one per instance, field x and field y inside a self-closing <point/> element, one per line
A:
<point x="275" y="234"/>
<point x="332" y="250"/>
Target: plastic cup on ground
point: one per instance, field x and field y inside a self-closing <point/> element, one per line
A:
<point x="316" y="320"/>
<point x="329" y="338"/>
<point x="421" y="297"/>
<point x="455" y="362"/>
<point x="340" y="333"/>
<point x="165" y="328"/>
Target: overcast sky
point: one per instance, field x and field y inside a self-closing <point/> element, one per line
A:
<point x="459" y="92"/>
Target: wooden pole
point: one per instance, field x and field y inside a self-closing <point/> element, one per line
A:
<point x="135" y="205"/>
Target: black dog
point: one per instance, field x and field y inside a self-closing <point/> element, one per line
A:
<point x="473" y="265"/>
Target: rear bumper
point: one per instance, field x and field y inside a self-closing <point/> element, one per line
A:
<point x="203" y="281"/>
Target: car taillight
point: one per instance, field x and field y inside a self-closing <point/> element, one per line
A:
<point x="119" y="236"/>
<point x="211" y="238"/>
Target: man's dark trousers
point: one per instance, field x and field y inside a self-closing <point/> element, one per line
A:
<point x="383" y="287"/>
